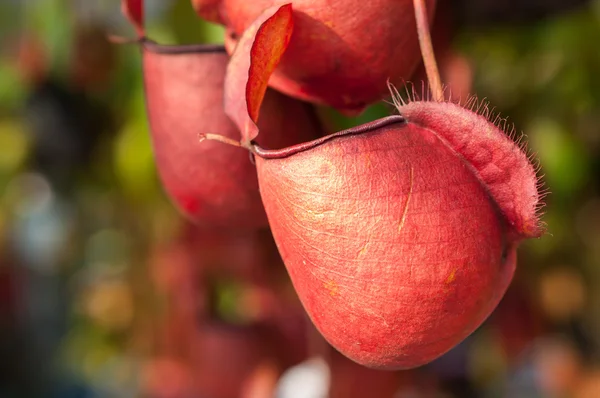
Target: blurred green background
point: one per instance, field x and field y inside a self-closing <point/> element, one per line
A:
<point x="83" y="303"/>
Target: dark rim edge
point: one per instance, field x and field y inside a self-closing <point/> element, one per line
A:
<point x="292" y="150"/>
<point x="157" y="48"/>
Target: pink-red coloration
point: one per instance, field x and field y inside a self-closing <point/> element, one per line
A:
<point x="165" y="377"/>
<point x="209" y="182"/>
<point x="400" y="235"/>
<point x="341" y="53"/>
<point x="208" y="9"/>
<point x="212" y="184"/>
<point x="394" y="245"/>
<point x="259" y="51"/>
<point x="500" y="165"/>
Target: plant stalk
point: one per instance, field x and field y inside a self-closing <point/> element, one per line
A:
<point x="220" y="138"/>
<point x="431" y="68"/>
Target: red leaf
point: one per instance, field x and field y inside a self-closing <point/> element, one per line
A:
<point x="134" y="11"/>
<point x="257" y="54"/>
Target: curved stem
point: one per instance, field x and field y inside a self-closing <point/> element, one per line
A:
<point x="116" y="39"/>
<point x="257" y="150"/>
<point x="433" y="75"/>
<point x="220" y="138"/>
